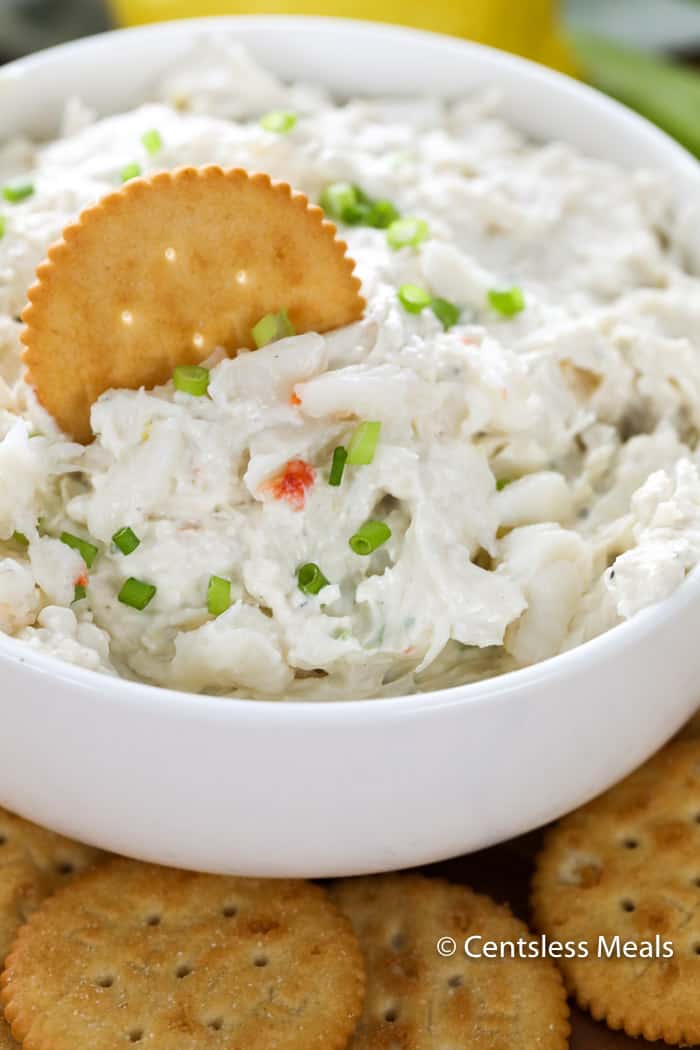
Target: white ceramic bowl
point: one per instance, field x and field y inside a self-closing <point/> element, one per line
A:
<point x="265" y="788"/>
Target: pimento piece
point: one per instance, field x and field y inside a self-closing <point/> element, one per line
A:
<point x="294" y="399"/>
<point x="292" y="482"/>
<point x="81" y="581"/>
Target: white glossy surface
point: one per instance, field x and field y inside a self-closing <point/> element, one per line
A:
<point x="344" y="788"/>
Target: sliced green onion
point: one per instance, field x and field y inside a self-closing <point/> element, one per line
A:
<point x="382" y="214"/>
<point x="369" y="536"/>
<point x="363" y="444"/>
<point x="407" y="233"/>
<point x="20" y="539"/>
<point x="346" y="203"/>
<point x="414" y="298"/>
<point x="508" y="301"/>
<point x="152" y="141"/>
<point x="80" y="592"/>
<point x="2" y="226"/>
<point x="271" y="328"/>
<point x="357" y="214"/>
<point x="17" y="191"/>
<point x="136" y="593"/>
<point x="126" y="540"/>
<point x="446" y="312"/>
<point x="130" y="171"/>
<point x="279" y="121"/>
<point x="501" y="484"/>
<point x="310" y="578"/>
<point x="218" y="595"/>
<point x="87" y="551"/>
<point x="191" y="379"/>
<point x="340" y="456"/>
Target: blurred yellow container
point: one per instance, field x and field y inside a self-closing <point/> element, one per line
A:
<point x="527" y="28"/>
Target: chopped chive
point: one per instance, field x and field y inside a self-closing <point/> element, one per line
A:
<point x="271" y="328"/>
<point x="363" y="444"/>
<point x="191" y="379"/>
<point x="152" y="141"/>
<point x="279" y="121"/>
<point x="340" y="456"/>
<point x="407" y="233"/>
<point x="382" y="214"/>
<point x="87" y="551"/>
<point x="136" y="593"/>
<point x="218" y="595"/>
<point x="130" y="171"/>
<point x="310" y="578"/>
<point x="501" y="484"/>
<point x="17" y="191"/>
<point x="2" y="226"/>
<point x="414" y="298"/>
<point x="508" y="301"/>
<point x="126" y="540"/>
<point x="341" y="200"/>
<point x="80" y="592"/>
<point x="446" y="312"/>
<point x="20" y="539"/>
<point x="369" y="536"/>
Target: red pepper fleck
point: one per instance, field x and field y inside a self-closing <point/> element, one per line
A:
<point x="294" y="399"/>
<point x="292" y="482"/>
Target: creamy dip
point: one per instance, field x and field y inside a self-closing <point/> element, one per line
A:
<point x="536" y="461"/>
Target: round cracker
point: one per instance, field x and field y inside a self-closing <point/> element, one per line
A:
<point x="134" y="953"/>
<point x="418" y="1000"/>
<point x="168" y="269"/>
<point x="34" y="862"/>
<point x="628" y="864"/>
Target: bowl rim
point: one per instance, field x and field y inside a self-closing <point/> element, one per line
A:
<point x="104" y="687"/>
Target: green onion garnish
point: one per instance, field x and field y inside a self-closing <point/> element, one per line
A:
<point x="15" y="192"/>
<point x="218" y="595"/>
<point x="369" y="536"/>
<point x="136" y="593"/>
<point x="271" y="328"/>
<point x="279" y="121"/>
<point x="363" y="444"/>
<point x="20" y="539"/>
<point x="382" y="214"/>
<point x="2" y="226"/>
<point x="80" y="592"/>
<point x="310" y="578"/>
<point x="414" y="298"/>
<point x="508" y="302"/>
<point x="152" y="141"/>
<point x="501" y="484"/>
<point x="87" y="551"/>
<point x="339" y="199"/>
<point x="446" y="312"/>
<point x="126" y="540"/>
<point x="130" y="171"/>
<point x="191" y="379"/>
<point x="340" y="456"/>
<point x="407" y="233"/>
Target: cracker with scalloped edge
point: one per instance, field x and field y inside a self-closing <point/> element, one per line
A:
<point x="134" y="953"/>
<point x="626" y="868"/>
<point x="166" y="270"/>
<point x="34" y="863"/>
<point x="418" y="1000"/>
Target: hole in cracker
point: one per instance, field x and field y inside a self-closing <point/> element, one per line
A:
<point x="229" y="911"/>
<point x="65" y="867"/>
<point x="696" y="882"/>
<point x="260" y="960"/>
<point x="105" y="982"/>
<point x="183" y="970"/>
<point x="136" y="1035"/>
<point x="696" y="949"/>
<point x="3" y="839"/>
<point x="628" y="905"/>
<point x="127" y="317"/>
<point x="630" y="843"/>
<point x="456" y="981"/>
<point x="391" y="1015"/>
<point x="696" y="818"/>
<point x="398" y="941"/>
<point x="170" y="254"/>
<point x="217" y="1023"/>
<point x="153" y="920"/>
